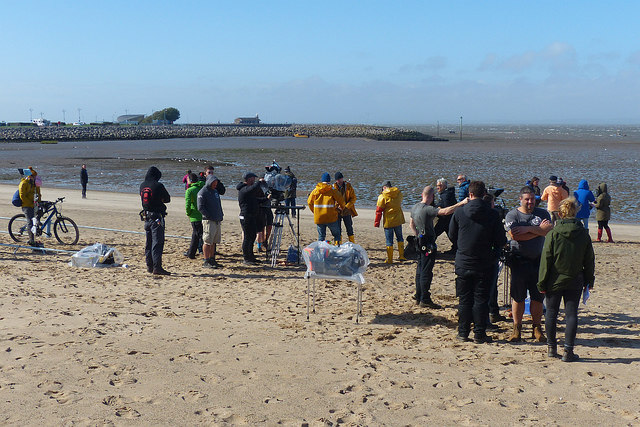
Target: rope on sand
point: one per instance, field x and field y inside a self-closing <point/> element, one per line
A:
<point x="36" y="248"/>
<point x="116" y="230"/>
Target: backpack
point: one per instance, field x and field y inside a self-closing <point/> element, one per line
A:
<point x="146" y="195"/>
<point x="16" y="200"/>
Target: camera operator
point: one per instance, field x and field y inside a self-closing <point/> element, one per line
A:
<point x="249" y="198"/>
<point x="153" y="196"/>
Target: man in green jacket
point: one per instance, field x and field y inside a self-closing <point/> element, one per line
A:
<point x="191" y="208"/>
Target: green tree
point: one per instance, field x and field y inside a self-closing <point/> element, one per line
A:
<point x="169" y="114"/>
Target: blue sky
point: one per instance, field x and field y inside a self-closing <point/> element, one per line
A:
<point x="384" y="62"/>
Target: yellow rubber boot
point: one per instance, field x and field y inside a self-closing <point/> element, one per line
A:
<point x="352" y="239"/>
<point x="389" y="255"/>
<point x="401" y="251"/>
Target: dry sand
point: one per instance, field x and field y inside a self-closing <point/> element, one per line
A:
<point x="233" y="346"/>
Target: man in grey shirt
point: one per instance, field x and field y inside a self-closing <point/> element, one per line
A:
<point x="421" y="223"/>
<point x="527" y="226"/>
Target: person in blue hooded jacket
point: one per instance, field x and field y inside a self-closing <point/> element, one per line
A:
<point x="586" y="199"/>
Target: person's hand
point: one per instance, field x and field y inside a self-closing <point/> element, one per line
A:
<point x="516" y="231"/>
<point x="465" y="201"/>
<point x="546" y="225"/>
<point x="376" y="224"/>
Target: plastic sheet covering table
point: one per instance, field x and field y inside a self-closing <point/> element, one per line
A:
<point x="311" y="277"/>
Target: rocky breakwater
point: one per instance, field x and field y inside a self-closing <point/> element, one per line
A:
<point x="129" y="132"/>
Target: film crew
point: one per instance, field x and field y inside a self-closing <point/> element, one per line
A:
<point x="249" y="198"/>
<point x="349" y="195"/>
<point x="567" y="266"/>
<point x="478" y="230"/>
<point x="290" y="193"/>
<point x="553" y="194"/>
<point x="526" y="226"/>
<point x="421" y="223"/>
<point x="153" y="196"/>
<point x="389" y="208"/>
<point x="84" y="179"/>
<point x="325" y="202"/>
<point x="29" y="194"/>
<point x="194" y="185"/>
<point x="220" y="188"/>
<point x="265" y="217"/>
<point x="446" y="197"/>
<point x="210" y="207"/>
<point x="463" y="187"/>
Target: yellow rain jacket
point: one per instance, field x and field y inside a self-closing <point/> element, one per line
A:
<point x="27" y="190"/>
<point x="324" y="201"/>
<point x="349" y="197"/>
<point x="390" y="205"/>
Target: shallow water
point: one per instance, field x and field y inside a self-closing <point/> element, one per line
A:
<point x="501" y="156"/>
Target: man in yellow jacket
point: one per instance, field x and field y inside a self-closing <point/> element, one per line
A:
<point x="390" y="206"/>
<point x="29" y="193"/>
<point x="325" y="202"/>
<point x="349" y="195"/>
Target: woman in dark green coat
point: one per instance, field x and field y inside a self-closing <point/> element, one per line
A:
<point x="566" y="267"/>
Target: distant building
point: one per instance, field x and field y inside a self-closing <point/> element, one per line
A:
<point x="247" y="120"/>
<point x="130" y="119"/>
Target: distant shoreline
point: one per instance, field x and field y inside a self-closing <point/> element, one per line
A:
<point x="138" y="132"/>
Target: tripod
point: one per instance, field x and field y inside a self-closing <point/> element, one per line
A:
<point x="275" y="240"/>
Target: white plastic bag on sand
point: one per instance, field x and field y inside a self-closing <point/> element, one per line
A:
<point x="347" y="261"/>
<point x="97" y="255"/>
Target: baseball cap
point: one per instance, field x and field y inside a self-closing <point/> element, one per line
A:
<point x="247" y="175"/>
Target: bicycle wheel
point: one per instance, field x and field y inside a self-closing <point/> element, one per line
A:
<point x="18" y="228"/>
<point x="66" y="231"/>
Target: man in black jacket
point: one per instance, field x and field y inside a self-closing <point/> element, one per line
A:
<point x="446" y="198"/>
<point x="154" y="196"/>
<point x="478" y="231"/>
<point x="250" y="196"/>
<point x="84" y="179"/>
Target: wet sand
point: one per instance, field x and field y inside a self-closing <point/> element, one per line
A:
<point x="233" y="346"/>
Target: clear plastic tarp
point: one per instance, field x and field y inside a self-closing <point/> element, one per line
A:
<point x="345" y="262"/>
<point x="97" y="255"/>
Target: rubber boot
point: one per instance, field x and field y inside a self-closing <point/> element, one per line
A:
<point x="352" y="239"/>
<point x="552" y="351"/>
<point x="389" y="255"/>
<point x="337" y="242"/>
<point x="569" y="355"/>
<point x="599" y="239"/>
<point x="516" y="335"/>
<point x="608" y="230"/>
<point x="401" y="251"/>
<point x="537" y="333"/>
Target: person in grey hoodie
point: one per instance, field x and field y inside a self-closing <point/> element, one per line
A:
<point x="210" y="207"/>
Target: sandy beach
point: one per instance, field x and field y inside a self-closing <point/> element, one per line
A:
<point x="118" y="346"/>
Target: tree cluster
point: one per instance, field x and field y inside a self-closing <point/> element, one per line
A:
<point x="168" y="115"/>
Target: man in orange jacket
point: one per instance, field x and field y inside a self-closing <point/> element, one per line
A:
<point x="389" y="207"/>
<point x="325" y="202"/>
<point x="349" y="195"/>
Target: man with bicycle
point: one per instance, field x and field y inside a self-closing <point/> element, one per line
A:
<point x="29" y="194"/>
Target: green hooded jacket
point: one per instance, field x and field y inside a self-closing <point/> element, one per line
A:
<point x="567" y="253"/>
<point x="191" y="201"/>
<point x="603" y="200"/>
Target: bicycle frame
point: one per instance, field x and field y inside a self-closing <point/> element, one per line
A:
<point x="49" y="221"/>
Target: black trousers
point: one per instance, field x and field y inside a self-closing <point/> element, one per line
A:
<point x="154" y="228"/>
<point x="250" y="230"/>
<point x="84" y="189"/>
<point x="473" y="288"/>
<point x="424" y="275"/>
<point x="196" y="236"/>
<point x="571" y="301"/>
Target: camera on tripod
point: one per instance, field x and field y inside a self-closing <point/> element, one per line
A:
<point x="276" y="183"/>
<point x="499" y="203"/>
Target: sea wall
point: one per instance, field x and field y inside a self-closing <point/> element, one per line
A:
<point x="125" y="132"/>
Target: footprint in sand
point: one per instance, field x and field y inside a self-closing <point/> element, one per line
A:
<point x="127" y="412"/>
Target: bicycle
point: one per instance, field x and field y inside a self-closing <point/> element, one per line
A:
<point x="64" y="228"/>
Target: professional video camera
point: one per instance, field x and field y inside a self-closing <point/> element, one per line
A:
<point x="276" y="183"/>
<point x="499" y="203"/>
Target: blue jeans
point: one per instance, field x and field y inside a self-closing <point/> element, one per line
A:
<point x="334" y="227"/>
<point x="585" y="222"/>
<point x="348" y="224"/>
<point x="389" y="232"/>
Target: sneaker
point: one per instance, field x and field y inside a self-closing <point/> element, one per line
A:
<point x="188" y="255"/>
<point x="552" y="351"/>
<point x="248" y="262"/>
<point x="430" y="304"/>
<point x="483" y="339"/>
<point x="570" y="356"/>
<point x="210" y="264"/>
<point x="462" y="338"/>
<point x="160" y="272"/>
